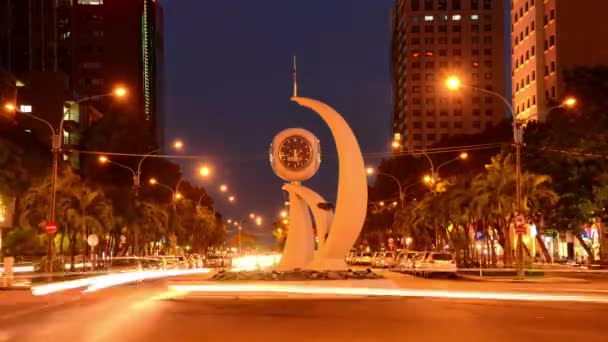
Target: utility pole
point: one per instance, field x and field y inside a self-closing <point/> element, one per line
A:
<point x="518" y="139"/>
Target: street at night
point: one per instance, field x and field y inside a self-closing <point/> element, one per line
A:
<point x="150" y="312"/>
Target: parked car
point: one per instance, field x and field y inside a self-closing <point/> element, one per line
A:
<point x="124" y="264"/>
<point x="350" y="257"/>
<point x="364" y="258"/>
<point x="385" y="259"/>
<point x="409" y="259"/>
<point x="437" y="263"/>
<point x="214" y="261"/>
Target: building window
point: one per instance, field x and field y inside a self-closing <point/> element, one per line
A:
<point x="487" y="52"/>
<point x="429" y="54"/>
<point x="487" y="27"/>
<point x="429" y="89"/>
<point x="487" y="63"/>
<point x="474" y="16"/>
<point x="416" y="89"/>
<point x="415" y="53"/>
<point x="442" y="28"/>
<point x="429" y="77"/>
<point x="488" y="99"/>
<point x="442" y="5"/>
<point x="474" y="4"/>
<point x="533" y="51"/>
<point x="487" y="40"/>
<point x="428" y="5"/>
<point x="527" y="79"/>
<point x="527" y="55"/>
<point x="415" y="41"/>
<point x="476" y="112"/>
<point x="429" y="29"/>
<point x="489" y="112"/>
<point x="552" y="66"/>
<point x="443" y="52"/>
<point x="428" y="18"/>
<point x="533" y="100"/>
<point x="415" y="65"/>
<point x="415" y="77"/>
<point x="415" y="5"/>
<point x="456" y="17"/>
<point x="475" y="52"/>
<point x="546" y="70"/>
<point x="417" y="137"/>
<point x="430" y="112"/>
<point x="430" y="124"/>
<point x="443" y="40"/>
<point x="476" y="124"/>
<point x="429" y="65"/>
<point x="476" y="99"/>
<point x="429" y="101"/>
<point x="487" y="4"/>
<point x="458" y="124"/>
<point x="443" y="65"/>
<point x="455" y="4"/>
<point x="428" y="40"/>
<point x="417" y="125"/>
<point x="416" y="100"/>
<point x="552" y="14"/>
<point x="456" y="52"/>
<point x="489" y="124"/>
<point x="475" y="28"/>
<point x="456" y="40"/>
<point x="533" y="75"/>
<point x="546" y="20"/>
<point x="457" y="112"/>
<point x="430" y="137"/>
<point x="475" y="40"/>
<point x="475" y="77"/>
<point x="456" y="28"/>
<point x="443" y="112"/>
<point x="552" y="40"/>
<point x="457" y="64"/>
<point x="444" y="124"/>
<point x="416" y="112"/>
<point x="444" y="136"/>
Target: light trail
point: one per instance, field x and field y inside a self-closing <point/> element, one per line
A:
<point x="383" y="292"/>
<point x="19" y="269"/>
<point x="104" y="281"/>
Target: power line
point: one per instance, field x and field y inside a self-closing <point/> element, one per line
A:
<point x="572" y="153"/>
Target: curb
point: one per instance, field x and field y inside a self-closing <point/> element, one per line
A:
<point x="536" y="281"/>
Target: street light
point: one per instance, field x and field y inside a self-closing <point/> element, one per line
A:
<point x="231" y="199"/>
<point x="252" y="216"/>
<point x="205" y="171"/>
<point x="283" y="214"/>
<point x="223" y="188"/>
<point x="56" y="146"/>
<point x="427" y="179"/>
<point x="396" y="145"/>
<point x="569" y="102"/>
<point x="258" y="220"/>
<point x="178" y="145"/>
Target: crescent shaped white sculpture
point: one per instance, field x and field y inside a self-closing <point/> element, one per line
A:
<point x="351" y="203"/>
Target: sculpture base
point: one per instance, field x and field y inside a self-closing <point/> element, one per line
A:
<point x="296" y="275"/>
<point x="329" y="264"/>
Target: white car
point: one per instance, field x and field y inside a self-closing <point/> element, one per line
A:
<point x="364" y="259"/>
<point x="437" y="263"/>
<point x="385" y="259"/>
<point x="408" y="260"/>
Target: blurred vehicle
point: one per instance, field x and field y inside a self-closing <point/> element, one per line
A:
<point x="124" y="264"/>
<point x="151" y="264"/>
<point x="214" y="261"/>
<point x="349" y="259"/>
<point x="385" y="259"/>
<point x="437" y="263"/>
<point x="364" y="258"/>
<point x="195" y="261"/>
<point x="409" y="259"/>
<point x="168" y="262"/>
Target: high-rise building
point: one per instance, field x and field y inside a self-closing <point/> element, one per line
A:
<point x="432" y="40"/>
<point x="96" y="44"/>
<point x="549" y="37"/>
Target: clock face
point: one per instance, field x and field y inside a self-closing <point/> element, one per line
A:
<point x="295" y="152"/>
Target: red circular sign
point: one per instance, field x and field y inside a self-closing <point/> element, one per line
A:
<point x="519" y="220"/>
<point x="51" y="227"/>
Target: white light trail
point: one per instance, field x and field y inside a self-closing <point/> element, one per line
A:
<point x="340" y="291"/>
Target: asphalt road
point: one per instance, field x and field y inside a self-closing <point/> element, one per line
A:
<point x="148" y="312"/>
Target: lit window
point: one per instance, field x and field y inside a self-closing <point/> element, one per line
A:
<point x="474" y="16"/>
<point x="416" y="53"/>
<point x="428" y="18"/>
<point x="90" y="2"/>
<point x="25" y="108"/>
<point x="443" y="17"/>
<point x="456" y="17"/>
<point x="429" y="54"/>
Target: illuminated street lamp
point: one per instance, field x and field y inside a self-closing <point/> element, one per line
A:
<point x="178" y="145"/>
<point x="205" y="171"/>
<point x="231" y="199"/>
<point x="283" y="214"/>
<point x="229" y="221"/>
<point x="427" y="179"/>
<point x="223" y="188"/>
<point x="252" y="216"/>
<point x="285" y="221"/>
<point x="56" y="148"/>
<point x="396" y="145"/>
<point x="381" y="203"/>
<point x="258" y="221"/>
<point x="569" y="102"/>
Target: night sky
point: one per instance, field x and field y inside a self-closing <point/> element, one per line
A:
<point x="229" y="80"/>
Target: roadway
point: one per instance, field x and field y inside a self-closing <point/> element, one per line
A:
<point x="149" y="312"/>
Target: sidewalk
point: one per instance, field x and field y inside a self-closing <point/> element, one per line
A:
<point x="545" y="280"/>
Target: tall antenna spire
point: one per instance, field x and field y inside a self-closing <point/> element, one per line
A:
<point x="295" y="79"/>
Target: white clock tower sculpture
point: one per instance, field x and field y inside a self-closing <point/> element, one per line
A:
<point x="295" y="156"/>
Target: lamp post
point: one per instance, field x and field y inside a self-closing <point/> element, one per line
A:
<point x="56" y="146"/>
<point x="453" y="83"/>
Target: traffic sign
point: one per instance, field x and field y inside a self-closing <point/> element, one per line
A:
<point x="480" y="235"/>
<point x="50" y="227"/>
<point x="92" y="240"/>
